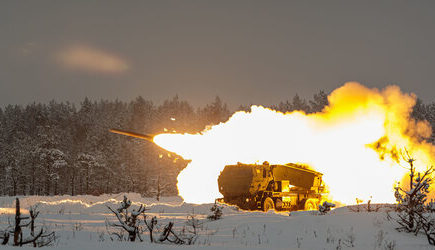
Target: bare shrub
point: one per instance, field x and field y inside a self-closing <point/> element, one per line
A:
<point x="150" y="226"/>
<point x="128" y="221"/>
<point x="169" y="235"/>
<point x="325" y="207"/>
<point x="191" y="230"/>
<point x="37" y="238"/>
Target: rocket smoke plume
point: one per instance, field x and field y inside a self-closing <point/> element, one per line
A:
<point x="356" y="142"/>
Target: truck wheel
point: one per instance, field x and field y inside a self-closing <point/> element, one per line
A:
<point x="310" y="204"/>
<point x="268" y="204"/>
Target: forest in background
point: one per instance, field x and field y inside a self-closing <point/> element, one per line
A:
<point x="58" y="148"/>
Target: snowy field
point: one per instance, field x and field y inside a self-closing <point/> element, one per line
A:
<point x="80" y="222"/>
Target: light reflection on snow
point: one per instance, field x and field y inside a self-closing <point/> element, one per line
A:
<point x="11" y="210"/>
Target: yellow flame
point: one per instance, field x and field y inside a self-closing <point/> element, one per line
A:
<point x="355" y="142"/>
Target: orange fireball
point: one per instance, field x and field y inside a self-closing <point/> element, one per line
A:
<point x="355" y="142"/>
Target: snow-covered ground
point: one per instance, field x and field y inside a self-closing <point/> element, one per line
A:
<point x="80" y="223"/>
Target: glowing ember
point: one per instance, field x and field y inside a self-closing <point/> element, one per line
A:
<point x="355" y="142"/>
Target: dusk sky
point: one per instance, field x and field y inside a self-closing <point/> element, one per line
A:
<point x="246" y="52"/>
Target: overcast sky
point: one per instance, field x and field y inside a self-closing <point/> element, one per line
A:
<point x="258" y="52"/>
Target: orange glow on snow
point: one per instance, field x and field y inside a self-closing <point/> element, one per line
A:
<point x="354" y="142"/>
<point x="12" y="210"/>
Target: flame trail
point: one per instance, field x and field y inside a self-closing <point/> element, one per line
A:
<point x="355" y="142"/>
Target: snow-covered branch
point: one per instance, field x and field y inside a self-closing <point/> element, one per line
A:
<point x="128" y="221"/>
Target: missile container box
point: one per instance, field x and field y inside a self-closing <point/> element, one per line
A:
<point x="264" y="187"/>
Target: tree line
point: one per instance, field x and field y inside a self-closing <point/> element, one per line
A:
<point x="57" y="148"/>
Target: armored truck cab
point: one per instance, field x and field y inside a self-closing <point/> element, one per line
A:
<point x="264" y="187"/>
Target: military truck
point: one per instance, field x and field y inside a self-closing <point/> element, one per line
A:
<point x="264" y="187"/>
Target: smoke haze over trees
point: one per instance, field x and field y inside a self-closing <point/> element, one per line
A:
<point x="58" y="148"/>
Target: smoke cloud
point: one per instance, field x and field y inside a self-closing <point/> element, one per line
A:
<point x="85" y="58"/>
<point x="357" y="142"/>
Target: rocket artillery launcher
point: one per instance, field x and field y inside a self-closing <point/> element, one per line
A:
<point x="263" y="187"/>
<point x="133" y="134"/>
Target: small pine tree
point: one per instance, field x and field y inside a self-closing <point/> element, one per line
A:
<point x="411" y="200"/>
<point x="216" y="212"/>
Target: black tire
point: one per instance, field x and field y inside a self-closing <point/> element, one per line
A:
<point x="311" y="204"/>
<point x="268" y="204"/>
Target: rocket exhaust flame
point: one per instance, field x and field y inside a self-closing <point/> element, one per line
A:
<point x="355" y="142"/>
